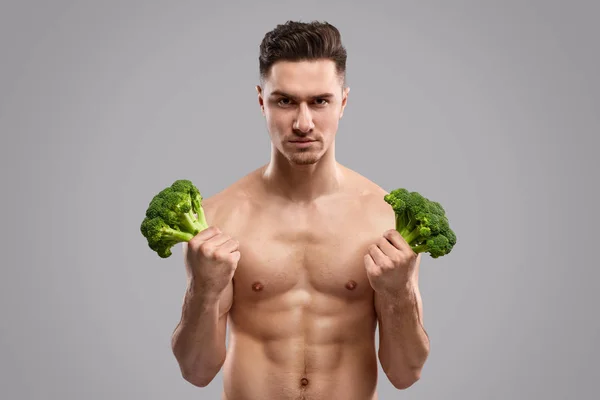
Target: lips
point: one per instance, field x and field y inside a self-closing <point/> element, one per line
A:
<point x="302" y="140"/>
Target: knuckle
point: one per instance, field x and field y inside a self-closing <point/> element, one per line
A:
<point x="192" y="243"/>
<point x="206" y="249"/>
<point x="221" y="254"/>
<point x="194" y="246"/>
<point x="390" y="235"/>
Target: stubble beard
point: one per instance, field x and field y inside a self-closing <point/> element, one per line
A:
<point x="304" y="157"/>
<point x="307" y="156"/>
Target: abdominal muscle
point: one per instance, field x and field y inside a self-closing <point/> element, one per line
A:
<point x="301" y="345"/>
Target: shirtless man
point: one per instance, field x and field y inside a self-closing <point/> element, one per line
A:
<point x="301" y="257"/>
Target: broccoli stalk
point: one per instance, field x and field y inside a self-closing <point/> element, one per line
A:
<point x="173" y="216"/>
<point x="421" y="222"/>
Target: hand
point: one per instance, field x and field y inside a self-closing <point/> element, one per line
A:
<point x="211" y="258"/>
<point x="391" y="263"/>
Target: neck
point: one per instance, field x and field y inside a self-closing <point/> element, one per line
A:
<point x="302" y="183"/>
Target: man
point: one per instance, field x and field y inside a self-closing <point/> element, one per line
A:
<point x="301" y="257"/>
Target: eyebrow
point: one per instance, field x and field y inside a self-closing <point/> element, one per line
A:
<point x="320" y="96"/>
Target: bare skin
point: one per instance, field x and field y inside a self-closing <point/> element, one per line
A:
<point x="283" y="264"/>
<point x="303" y="321"/>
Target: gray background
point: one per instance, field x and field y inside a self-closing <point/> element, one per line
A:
<point x="491" y="108"/>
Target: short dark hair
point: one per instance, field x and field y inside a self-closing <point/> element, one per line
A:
<point x="302" y="41"/>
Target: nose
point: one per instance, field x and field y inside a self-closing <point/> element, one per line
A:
<point x="303" y="122"/>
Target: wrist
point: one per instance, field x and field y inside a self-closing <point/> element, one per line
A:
<point x="400" y="293"/>
<point x="201" y="293"/>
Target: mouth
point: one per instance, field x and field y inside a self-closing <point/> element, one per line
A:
<point x="302" y="141"/>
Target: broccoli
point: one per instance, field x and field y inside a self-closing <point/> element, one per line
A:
<point x="173" y="216"/>
<point x="421" y="222"/>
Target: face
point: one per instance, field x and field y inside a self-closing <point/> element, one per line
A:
<point x="303" y="102"/>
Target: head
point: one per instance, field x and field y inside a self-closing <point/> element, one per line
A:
<point x="302" y="91"/>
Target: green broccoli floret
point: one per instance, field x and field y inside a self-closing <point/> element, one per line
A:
<point x="421" y="222"/>
<point x="173" y="216"/>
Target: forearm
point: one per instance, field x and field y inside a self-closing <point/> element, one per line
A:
<point x="199" y="340"/>
<point x="404" y="343"/>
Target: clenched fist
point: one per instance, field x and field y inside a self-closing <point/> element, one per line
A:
<point x="391" y="264"/>
<point x="211" y="258"/>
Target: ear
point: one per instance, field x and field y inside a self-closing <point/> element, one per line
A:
<point x="344" y="101"/>
<point x="261" y="101"/>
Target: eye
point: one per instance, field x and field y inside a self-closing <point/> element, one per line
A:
<point x="321" y="102"/>
<point x="284" y="102"/>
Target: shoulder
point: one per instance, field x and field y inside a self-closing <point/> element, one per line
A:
<point x="377" y="214"/>
<point x="226" y="209"/>
<point x="369" y="193"/>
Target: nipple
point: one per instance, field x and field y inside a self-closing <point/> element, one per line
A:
<point x="350" y="285"/>
<point x="257" y="286"/>
<point x="304" y="381"/>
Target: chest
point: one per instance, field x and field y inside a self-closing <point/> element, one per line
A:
<point x="312" y="253"/>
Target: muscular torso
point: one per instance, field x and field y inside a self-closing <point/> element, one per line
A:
<point x="302" y="319"/>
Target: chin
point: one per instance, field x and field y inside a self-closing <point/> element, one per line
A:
<point x="307" y="158"/>
<point x="306" y="161"/>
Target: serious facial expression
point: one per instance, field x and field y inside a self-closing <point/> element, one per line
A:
<point x="303" y="102"/>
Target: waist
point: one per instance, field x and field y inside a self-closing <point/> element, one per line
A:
<point x="303" y="351"/>
<point x="296" y="367"/>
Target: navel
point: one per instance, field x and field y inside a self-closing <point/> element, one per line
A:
<point x="304" y="381"/>
<point x="257" y="286"/>
<point x="350" y="285"/>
